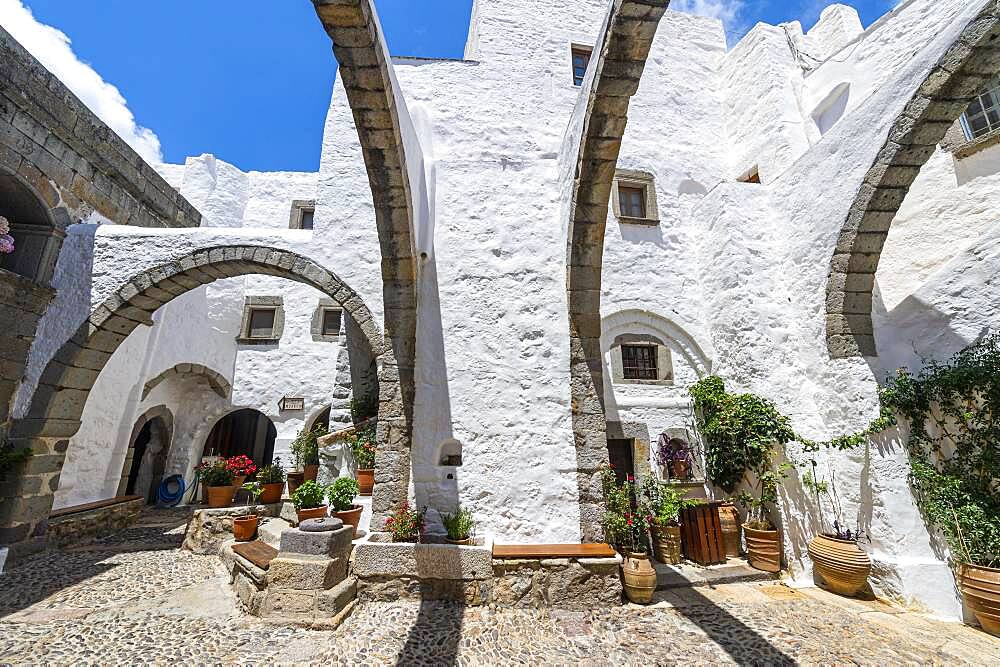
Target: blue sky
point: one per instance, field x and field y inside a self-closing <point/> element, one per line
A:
<point x="251" y="81"/>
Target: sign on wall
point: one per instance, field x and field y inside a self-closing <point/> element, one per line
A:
<point x="289" y="403"/>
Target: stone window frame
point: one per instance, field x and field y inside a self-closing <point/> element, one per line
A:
<point x="316" y="328"/>
<point x="664" y="360"/>
<point x="252" y="303"/>
<point x="300" y="206"/>
<point x="644" y="181"/>
<point x="574" y="48"/>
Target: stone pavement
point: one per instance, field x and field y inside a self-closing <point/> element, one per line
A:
<point x="137" y="599"/>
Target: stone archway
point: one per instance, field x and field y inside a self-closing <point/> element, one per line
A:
<point x="215" y="380"/>
<point x="367" y="76"/>
<point x="961" y="73"/>
<point x="620" y="60"/>
<point x="143" y="470"/>
<point x="58" y="402"/>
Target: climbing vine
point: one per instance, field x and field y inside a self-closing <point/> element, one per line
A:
<point x="953" y="413"/>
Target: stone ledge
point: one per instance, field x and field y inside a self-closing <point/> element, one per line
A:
<point x="375" y="558"/>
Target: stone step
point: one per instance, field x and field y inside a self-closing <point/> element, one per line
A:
<point x="686" y="575"/>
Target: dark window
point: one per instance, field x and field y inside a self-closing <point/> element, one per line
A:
<point x="639" y="362"/>
<point x="581" y="59"/>
<point x="261" y="323"/>
<point x="331" y="322"/>
<point x="632" y="201"/>
<point x="983" y="115"/>
<point x="307" y="218"/>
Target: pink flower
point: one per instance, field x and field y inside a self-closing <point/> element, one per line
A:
<point x="4" y="225"/>
<point x="6" y="244"/>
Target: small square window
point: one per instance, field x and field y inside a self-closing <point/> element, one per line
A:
<point x="581" y="60"/>
<point x="307" y="218"/>
<point x="261" y="323"/>
<point x="331" y="322"/>
<point x="632" y="201"/>
<point x="983" y="115"/>
<point x="639" y="362"/>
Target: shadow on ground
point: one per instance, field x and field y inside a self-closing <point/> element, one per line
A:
<point x="434" y="638"/>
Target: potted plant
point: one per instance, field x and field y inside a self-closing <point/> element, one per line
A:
<point x="305" y="449"/>
<point x="674" y="455"/>
<point x="272" y="481"/>
<point x="459" y="526"/>
<point x="341" y="495"/>
<point x="218" y="481"/>
<point x="664" y="504"/>
<point x="308" y="501"/>
<point x="363" y="447"/>
<point x="625" y="528"/>
<point x="763" y="538"/>
<point x="406" y="525"/>
<point x="242" y="467"/>
<point x="245" y="527"/>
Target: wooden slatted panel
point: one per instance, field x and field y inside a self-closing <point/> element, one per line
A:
<point x="259" y="553"/>
<point x="702" y="538"/>
<point x="553" y="551"/>
<point x="76" y="509"/>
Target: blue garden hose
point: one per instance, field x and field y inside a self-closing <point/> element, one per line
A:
<point x="171" y="491"/>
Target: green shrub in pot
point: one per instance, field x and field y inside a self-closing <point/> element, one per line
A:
<point x="342" y="493"/>
<point x="309" y="495"/>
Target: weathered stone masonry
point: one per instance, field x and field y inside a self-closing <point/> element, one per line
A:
<point x="54" y="414"/>
<point x="960" y="75"/>
<point x="620" y="60"/>
<point x="364" y="68"/>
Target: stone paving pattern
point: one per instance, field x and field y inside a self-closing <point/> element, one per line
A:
<point x="136" y="598"/>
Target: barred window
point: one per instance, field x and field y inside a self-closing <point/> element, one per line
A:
<point x="639" y="362"/>
<point x="983" y="115"/>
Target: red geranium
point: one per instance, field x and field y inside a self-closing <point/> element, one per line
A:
<point x="241" y="466"/>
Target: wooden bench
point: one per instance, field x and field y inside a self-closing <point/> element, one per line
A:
<point x="536" y="551"/>
<point x="88" y="507"/>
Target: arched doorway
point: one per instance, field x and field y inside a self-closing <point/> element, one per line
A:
<point x="146" y="460"/>
<point x="322" y="420"/>
<point x="248" y="432"/>
<point x="36" y="238"/>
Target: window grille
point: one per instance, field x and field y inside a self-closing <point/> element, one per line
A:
<point x="639" y="362"/>
<point x="983" y="115"/>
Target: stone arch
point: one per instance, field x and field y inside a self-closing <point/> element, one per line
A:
<point x="163" y="420"/>
<point x="635" y="320"/>
<point x="38" y="224"/>
<point x="620" y="60"/>
<point x="219" y="384"/>
<point x="366" y="72"/>
<point x="945" y="93"/>
<point x="58" y="402"/>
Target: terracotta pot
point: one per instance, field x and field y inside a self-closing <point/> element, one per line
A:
<point x="311" y="513"/>
<point x="311" y="472"/>
<point x="763" y="549"/>
<point x="729" y="517"/>
<point x="842" y="565"/>
<point x="351" y="517"/>
<point x="640" y="578"/>
<point x="244" y="528"/>
<point x="295" y="480"/>
<point x="271" y="493"/>
<point x="981" y="590"/>
<point x="462" y="543"/>
<point x="680" y="469"/>
<point x="667" y="544"/>
<point x="221" y="496"/>
<point x="366" y="481"/>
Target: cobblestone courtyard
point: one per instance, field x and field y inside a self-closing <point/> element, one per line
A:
<point x="136" y="598"/>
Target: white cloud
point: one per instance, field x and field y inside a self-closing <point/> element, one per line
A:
<point x="727" y="11"/>
<point x="53" y="49"/>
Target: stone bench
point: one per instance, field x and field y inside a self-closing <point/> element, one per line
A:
<point x="563" y="576"/>
<point x="80" y="523"/>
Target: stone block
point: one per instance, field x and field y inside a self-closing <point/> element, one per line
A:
<point x="305" y="573"/>
<point x="424" y="561"/>
<point x="288" y="602"/>
<point x="333" y="601"/>
<point x="333" y="544"/>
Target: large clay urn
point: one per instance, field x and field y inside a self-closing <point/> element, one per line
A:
<point x="667" y="544"/>
<point x="763" y="549"/>
<point x="981" y="590"/>
<point x="729" y="517"/>
<point x="640" y="578"/>
<point x="842" y="564"/>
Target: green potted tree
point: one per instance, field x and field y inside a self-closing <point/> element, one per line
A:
<point x="341" y="495"/>
<point x="625" y="527"/>
<point x="459" y="526"/>
<point x="664" y="504"/>
<point x="308" y="501"/>
<point x="363" y="447"/>
<point x="305" y="449"/>
<point x="245" y="527"/>
<point x="763" y="537"/>
<point x="218" y="480"/>
<point x="272" y="481"/>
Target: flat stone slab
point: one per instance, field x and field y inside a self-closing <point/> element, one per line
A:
<point x="422" y="561"/>
<point x="323" y="525"/>
<point x="684" y="575"/>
